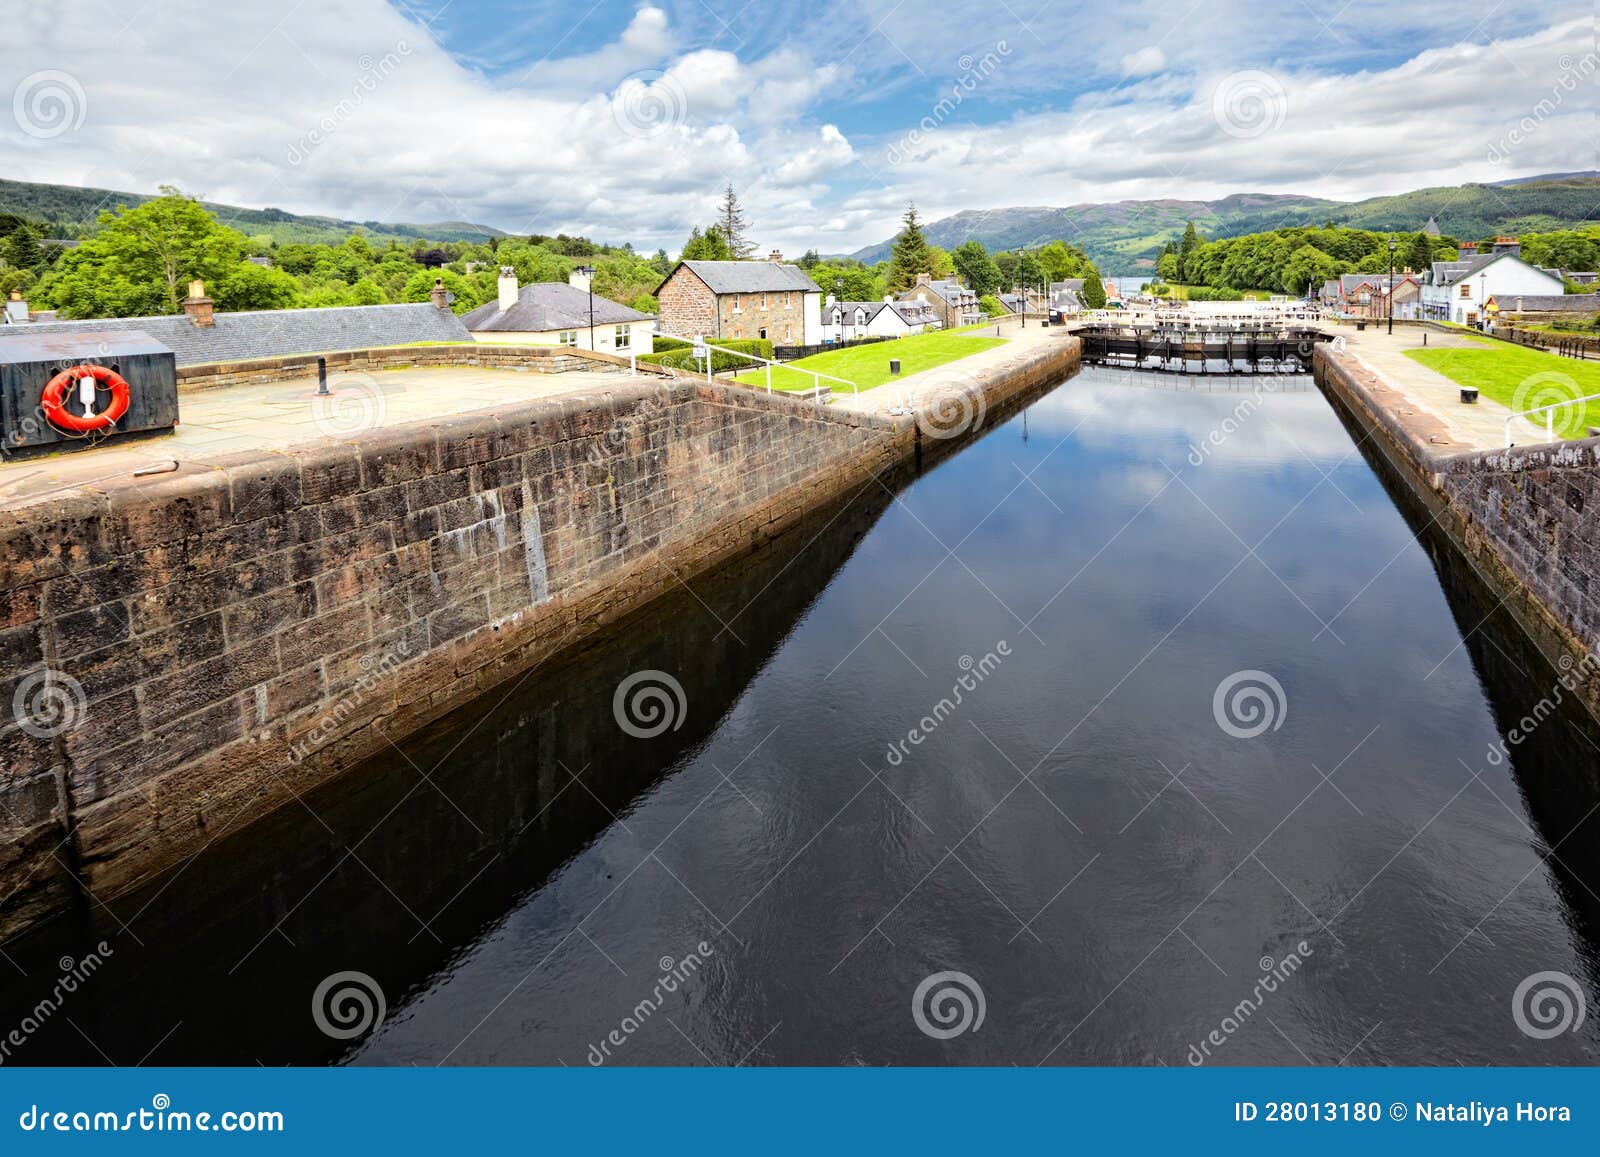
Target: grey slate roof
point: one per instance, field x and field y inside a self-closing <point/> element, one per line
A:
<point x="274" y="333"/>
<point x="1431" y="229"/>
<point x="748" y="276"/>
<point x="544" y="306"/>
<point x="1548" y="302"/>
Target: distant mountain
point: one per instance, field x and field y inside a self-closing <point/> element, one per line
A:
<point x="71" y="205"/>
<point x="1125" y="237"/>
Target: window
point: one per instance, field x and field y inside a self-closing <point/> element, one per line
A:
<point x="763" y="333"/>
<point x="624" y="337"/>
<point x="1466" y="290"/>
<point x="568" y="337"/>
<point x="737" y="308"/>
<point x="788" y="333"/>
<point x="763" y="301"/>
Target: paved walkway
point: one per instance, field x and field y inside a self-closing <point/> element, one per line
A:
<point x="1480" y="426"/>
<point x="283" y="414"/>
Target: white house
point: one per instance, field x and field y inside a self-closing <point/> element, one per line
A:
<point x="849" y="320"/>
<point x="552" y="313"/>
<point x="1458" y="290"/>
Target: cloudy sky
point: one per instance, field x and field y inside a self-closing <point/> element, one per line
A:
<point x="624" y="120"/>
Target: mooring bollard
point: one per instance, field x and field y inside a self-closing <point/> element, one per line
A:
<point x="322" y="377"/>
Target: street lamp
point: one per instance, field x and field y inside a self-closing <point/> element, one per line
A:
<point x="1393" y="245"/>
<point x="588" y="280"/>
<point x="1483" y="300"/>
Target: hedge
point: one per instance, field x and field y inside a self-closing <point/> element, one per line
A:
<point x="684" y="359"/>
<point x="664" y="343"/>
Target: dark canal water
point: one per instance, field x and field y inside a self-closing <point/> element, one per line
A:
<point x="1113" y="860"/>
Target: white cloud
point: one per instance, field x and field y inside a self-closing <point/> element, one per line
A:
<point x="1145" y="60"/>
<point x="811" y="163"/>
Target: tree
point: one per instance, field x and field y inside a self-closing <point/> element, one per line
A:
<point x="255" y="287"/>
<point x="910" y="254"/>
<point x="809" y="259"/>
<point x="1307" y="268"/>
<point x="1186" y="251"/>
<point x="1167" y="266"/>
<point x="142" y="260"/>
<point x="730" y="219"/>
<point x="1094" y="293"/>
<point x="846" y="282"/>
<point x="1059" y="261"/>
<point x="976" y="268"/>
<point x="22" y="249"/>
<point x="1418" y="254"/>
<point x="711" y="245"/>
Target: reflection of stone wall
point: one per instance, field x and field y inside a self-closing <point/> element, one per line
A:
<point x="1518" y="515"/>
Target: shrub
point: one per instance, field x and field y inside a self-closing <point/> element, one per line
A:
<point x="683" y="358"/>
<point x="664" y="343"/>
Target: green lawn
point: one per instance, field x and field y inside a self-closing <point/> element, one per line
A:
<point x="1523" y="379"/>
<point x="868" y="365"/>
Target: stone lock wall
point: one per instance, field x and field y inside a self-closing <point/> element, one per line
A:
<point x="193" y="650"/>
<point x="1523" y="518"/>
<point x="223" y="639"/>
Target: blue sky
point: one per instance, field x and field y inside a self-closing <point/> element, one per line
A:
<point x="623" y="120"/>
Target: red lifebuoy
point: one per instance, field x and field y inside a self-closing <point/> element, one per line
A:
<point x="53" y="403"/>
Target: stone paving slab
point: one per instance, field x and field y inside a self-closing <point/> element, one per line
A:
<point x="279" y="415"/>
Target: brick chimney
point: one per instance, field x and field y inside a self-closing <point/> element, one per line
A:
<point x="438" y="295"/>
<point x="776" y="257"/>
<point x="198" y="306"/>
<point x="508" y="287"/>
<point x="1468" y="249"/>
<point x="16" y="310"/>
<point x="924" y="279"/>
<point x="581" y="278"/>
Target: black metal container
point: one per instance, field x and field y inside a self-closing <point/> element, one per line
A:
<point x="28" y="361"/>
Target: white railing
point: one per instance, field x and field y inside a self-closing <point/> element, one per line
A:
<point x="1549" y="413"/>
<point x="816" y="375"/>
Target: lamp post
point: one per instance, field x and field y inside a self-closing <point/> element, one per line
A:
<point x="1393" y="245"/>
<point x="588" y="280"/>
<point x="1483" y="299"/>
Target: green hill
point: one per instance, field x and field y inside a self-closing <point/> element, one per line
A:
<point x="70" y="210"/>
<point x="1124" y="237"/>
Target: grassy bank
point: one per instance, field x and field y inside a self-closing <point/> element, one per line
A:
<point x="1521" y="379"/>
<point x="868" y="365"/>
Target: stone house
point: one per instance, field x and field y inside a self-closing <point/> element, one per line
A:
<point x="735" y="300"/>
<point x="954" y="303"/>
<point x="561" y="314"/>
